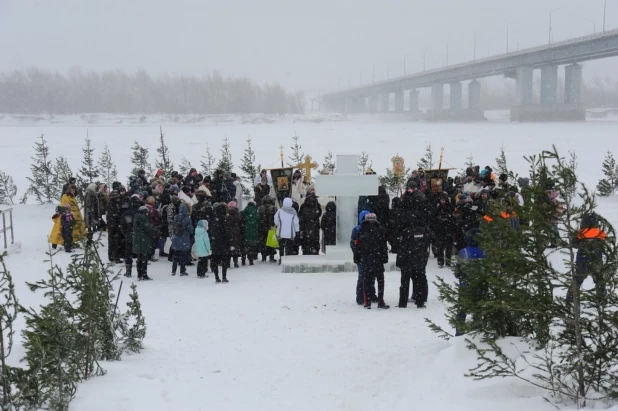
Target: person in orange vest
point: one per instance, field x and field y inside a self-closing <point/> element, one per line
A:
<point x="589" y="243"/>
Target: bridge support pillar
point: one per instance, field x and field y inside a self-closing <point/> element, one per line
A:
<point x="524" y="85"/>
<point x="572" y="84"/>
<point x="474" y="95"/>
<point x="373" y="104"/>
<point x="385" y="102"/>
<point x="399" y="101"/>
<point x="549" y="85"/>
<point x="437" y="97"/>
<point x="413" y="102"/>
<point x="455" y="96"/>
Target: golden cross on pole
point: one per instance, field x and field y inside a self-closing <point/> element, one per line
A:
<point x="281" y="154"/>
<point x="308" y="165"/>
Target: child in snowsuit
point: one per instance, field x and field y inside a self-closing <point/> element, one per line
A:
<point x="202" y="248"/>
<point x="373" y="251"/>
<point x="466" y="256"/>
<point x="360" y="283"/>
<point x="67" y="221"/>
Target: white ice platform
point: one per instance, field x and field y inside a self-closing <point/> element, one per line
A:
<point x="321" y="264"/>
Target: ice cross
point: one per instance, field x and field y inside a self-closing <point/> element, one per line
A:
<point x="347" y="185"/>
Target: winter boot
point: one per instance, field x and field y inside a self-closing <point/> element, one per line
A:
<point x="129" y="268"/>
<point x="383" y="305"/>
<point x="250" y="262"/>
<point x="163" y="254"/>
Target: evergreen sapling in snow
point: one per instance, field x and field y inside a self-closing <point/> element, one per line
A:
<point x="208" y="162"/>
<point x="225" y="163"/>
<point x="426" y="163"/>
<point x="501" y="166"/>
<point x="8" y="189"/>
<point x="41" y="182"/>
<point x="297" y="156"/>
<point x="140" y="160"/>
<point x="9" y="308"/>
<point x="566" y="329"/>
<point x="363" y="162"/>
<point x="163" y="162"/>
<point x="249" y="168"/>
<point x="185" y="166"/>
<point x="62" y="175"/>
<point x="89" y="171"/>
<point x="609" y="185"/>
<point x="329" y="163"/>
<point x="132" y="324"/>
<point x="109" y="174"/>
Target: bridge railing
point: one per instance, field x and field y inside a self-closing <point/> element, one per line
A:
<point x="4" y="229"/>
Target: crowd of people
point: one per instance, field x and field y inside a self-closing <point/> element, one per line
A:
<point x="204" y="219"/>
<point x="206" y="222"/>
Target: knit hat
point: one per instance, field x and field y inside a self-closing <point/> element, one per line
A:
<point x="371" y="217"/>
<point x="138" y="196"/>
<point x="469" y="172"/>
<point x="174" y="188"/>
<point x="114" y="194"/>
<point x="143" y="209"/>
<point x="232" y="204"/>
<point x="503" y="177"/>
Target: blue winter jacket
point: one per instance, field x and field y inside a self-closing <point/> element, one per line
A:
<point x="355" y="230"/>
<point x="202" y="240"/>
<point x="182" y="241"/>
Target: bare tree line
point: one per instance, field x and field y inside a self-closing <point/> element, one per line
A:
<point x="36" y="91"/>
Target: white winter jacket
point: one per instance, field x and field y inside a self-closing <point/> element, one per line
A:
<point x="286" y="220"/>
<point x="186" y="198"/>
<point x="472" y="187"/>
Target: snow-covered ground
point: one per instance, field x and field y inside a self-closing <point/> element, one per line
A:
<point x="273" y="341"/>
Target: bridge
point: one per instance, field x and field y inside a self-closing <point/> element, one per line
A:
<point x="519" y="65"/>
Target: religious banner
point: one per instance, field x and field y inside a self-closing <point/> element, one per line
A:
<point x="282" y="182"/>
<point x="398" y="166"/>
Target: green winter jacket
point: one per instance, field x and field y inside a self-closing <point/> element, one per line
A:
<point x="142" y="233"/>
<point x="251" y="220"/>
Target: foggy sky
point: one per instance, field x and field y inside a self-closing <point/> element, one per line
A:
<point x="310" y="44"/>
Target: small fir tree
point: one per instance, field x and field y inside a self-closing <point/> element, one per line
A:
<point x="140" y="160"/>
<point x="8" y="189"/>
<point x="41" y="182"/>
<point x="62" y="175"/>
<point x="297" y="156"/>
<point x="609" y="185"/>
<point x="208" y="162"/>
<point x="394" y="183"/>
<point x="50" y="340"/>
<point x="163" y="162"/>
<point x="426" y="163"/>
<point x="501" y="166"/>
<point x="363" y="162"/>
<point x="249" y="168"/>
<point x="517" y="290"/>
<point x="89" y="171"/>
<point x="109" y="174"/>
<point x="225" y="163"/>
<point x="8" y="314"/>
<point x="132" y="324"/>
<point x="185" y="166"/>
<point x="329" y="163"/>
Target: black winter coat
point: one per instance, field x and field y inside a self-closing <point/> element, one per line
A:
<point x="415" y="236"/>
<point x="235" y="229"/>
<point x="309" y="221"/>
<point x="128" y="218"/>
<point x="114" y="215"/>
<point x="380" y="206"/>
<point x="444" y="222"/>
<point x="218" y="232"/>
<point x="329" y="224"/>
<point x="372" y="247"/>
<point x="393" y="235"/>
<point x="267" y="219"/>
